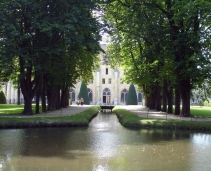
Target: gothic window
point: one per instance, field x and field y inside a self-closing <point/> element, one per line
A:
<point x="106" y="71"/>
<point x="103" y="81"/>
<point x="72" y="92"/>
<point x="123" y="95"/>
<point x="109" y="81"/>
<point x="140" y="96"/>
<point x="90" y="95"/>
<point x="106" y="96"/>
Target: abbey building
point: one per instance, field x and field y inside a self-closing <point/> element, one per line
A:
<point x="105" y="88"/>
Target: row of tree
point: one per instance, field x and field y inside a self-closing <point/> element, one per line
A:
<point x="164" y="47"/>
<point x="46" y="47"/>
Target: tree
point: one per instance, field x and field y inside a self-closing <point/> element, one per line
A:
<point x="131" y="96"/>
<point x="2" y="98"/>
<point x="168" y="45"/>
<point x="54" y="43"/>
<point x="84" y="93"/>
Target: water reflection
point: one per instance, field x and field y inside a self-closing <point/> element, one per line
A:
<point x="104" y="146"/>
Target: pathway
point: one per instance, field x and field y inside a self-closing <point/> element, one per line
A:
<point x="70" y="110"/>
<point x="135" y="109"/>
<point x="146" y="113"/>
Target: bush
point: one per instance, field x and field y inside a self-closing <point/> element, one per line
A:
<point x="2" y="98"/>
<point x="84" y="93"/>
<point x="131" y="96"/>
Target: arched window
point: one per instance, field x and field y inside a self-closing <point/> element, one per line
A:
<point x="72" y="93"/>
<point x="140" y="96"/>
<point x="106" y="96"/>
<point x="90" y="95"/>
<point x="123" y="96"/>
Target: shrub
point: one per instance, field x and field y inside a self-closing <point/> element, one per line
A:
<point x="131" y="96"/>
<point x="2" y="98"/>
<point x="84" y="93"/>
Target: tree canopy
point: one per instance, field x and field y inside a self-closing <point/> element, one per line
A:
<point x="52" y="43"/>
<point x="163" y="46"/>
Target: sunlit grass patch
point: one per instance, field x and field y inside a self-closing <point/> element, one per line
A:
<point x="202" y="111"/>
<point x="79" y="120"/>
<point x="130" y="120"/>
<point x="14" y="109"/>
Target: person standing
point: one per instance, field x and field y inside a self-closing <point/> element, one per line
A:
<point x="78" y="102"/>
<point x="82" y="101"/>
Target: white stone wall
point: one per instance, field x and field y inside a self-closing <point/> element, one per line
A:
<point x="115" y="87"/>
<point x="11" y="93"/>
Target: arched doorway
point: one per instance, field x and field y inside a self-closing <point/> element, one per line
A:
<point x="140" y="97"/>
<point x="72" y="92"/>
<point x="123" y="96"/>
<point x="106" y="96"/>
<point x="90" y="95"/>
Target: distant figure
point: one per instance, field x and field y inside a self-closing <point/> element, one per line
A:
<point x="82" y="101"/>
<point x="78" y="102"/>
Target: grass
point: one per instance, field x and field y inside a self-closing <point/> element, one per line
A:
<point x="130" y="120"/>
<point x="200" y="111"/>
<point x="13" y="109"/>
<point x="79" y="120"/>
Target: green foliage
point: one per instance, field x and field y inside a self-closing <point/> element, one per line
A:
<point x="79" y="120"/>
<point x="130" y="120"/>
<point x="132" y="96"/>
<point x="2" y="98"/>
<point x="157" y="41"/>
<point x="55" y="41"/>
<point x="84" y="93"/>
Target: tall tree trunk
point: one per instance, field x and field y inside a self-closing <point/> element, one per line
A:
<point x="146" y="100"/>
<point x="158" y="99"/>
<point x="43" y="94"/>
<point x="58" y="99"/>
<point x="28" y="87"/>
<point x="54" y="98"/>
<point x="19" y="95"/>
<point x="146" y="97"/>
<point x="164" y="99"/>
<point x="185" y="93"/>
<point x="37" y="110"/>
<point x="177" y="101"/>
<point x="27" y="106"/>
<point x="170" y="100"/>
<point x="152" y="101"/>
<point x="28" y="96"/>
<point x="64" y="97"/>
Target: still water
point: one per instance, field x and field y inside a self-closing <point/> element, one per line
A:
<point x="104" y="146"/>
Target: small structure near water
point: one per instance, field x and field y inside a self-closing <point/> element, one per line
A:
<point x="109" y="107"/>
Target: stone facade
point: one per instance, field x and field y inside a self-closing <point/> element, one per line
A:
<point x="11" y="93"/>
<point x="106" y="86"/>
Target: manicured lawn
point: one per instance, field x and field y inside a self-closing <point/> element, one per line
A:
<point x="79" y="120"/>
<point x="202" y="111"/>
<point x="13" y="109"/>
<point x="7" y="109"/>
<point x="130" y="120"/>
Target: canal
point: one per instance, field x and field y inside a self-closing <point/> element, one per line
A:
<point x="104" y="146"/>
